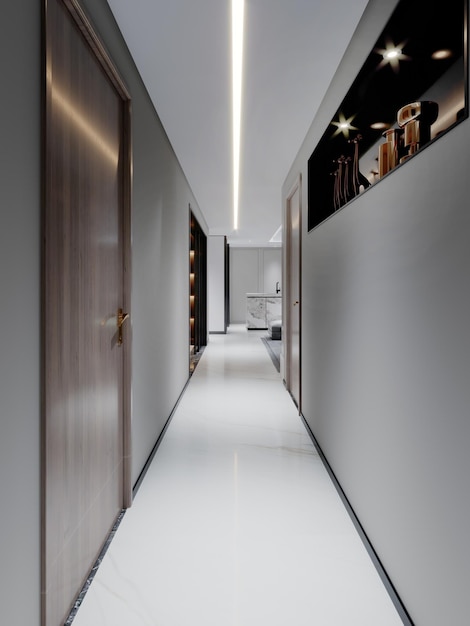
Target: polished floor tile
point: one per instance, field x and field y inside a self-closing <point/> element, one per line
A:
<point x="237" y="522"/>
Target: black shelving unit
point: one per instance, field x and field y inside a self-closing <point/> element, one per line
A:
<point x="197" y="287"/>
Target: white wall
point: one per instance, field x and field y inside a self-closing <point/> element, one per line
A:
<point x="160" y="291"/>
<point x="252" y="270"/>
<point x="216" y="283"/>
<point x="272" y="269"/>
<point x="385" y="355"/>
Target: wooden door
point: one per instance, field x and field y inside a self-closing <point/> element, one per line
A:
<point x="292" y="305"/>
<point x="85" y="453"/>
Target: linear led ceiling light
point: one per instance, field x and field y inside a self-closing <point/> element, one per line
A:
<point x="238" y="9"/>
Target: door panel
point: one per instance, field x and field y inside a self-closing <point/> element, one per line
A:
<point x="84" y="285"/>
<point x="293" y="299"/>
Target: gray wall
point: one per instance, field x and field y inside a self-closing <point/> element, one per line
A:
<point x="20" y="325"/>
<point x="160" y="292"/>
<point x="252" y="270"/>
<point x="385" y="355"/>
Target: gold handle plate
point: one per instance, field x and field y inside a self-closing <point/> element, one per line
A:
<point x="121" y="318"/>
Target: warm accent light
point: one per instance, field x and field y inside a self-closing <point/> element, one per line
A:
<point x="344" y="125"/>
<point x="379" y="126"/>
<point x="439" y="55"/>
<point x="238" y="10"/>
<point x="392" y="55"/>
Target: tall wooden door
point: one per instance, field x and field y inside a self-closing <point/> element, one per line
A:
<point x="85" y="453"/>
<point x="292" y="304"/>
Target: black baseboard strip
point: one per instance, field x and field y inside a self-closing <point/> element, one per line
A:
<point x="392" y="592"/>
<point x="148" y="462"/>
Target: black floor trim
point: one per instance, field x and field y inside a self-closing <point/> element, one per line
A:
<point x="392" y="592"/>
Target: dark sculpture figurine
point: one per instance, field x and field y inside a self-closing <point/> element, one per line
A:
<point x="348" y="178"/>
<point x="359" y="180"/>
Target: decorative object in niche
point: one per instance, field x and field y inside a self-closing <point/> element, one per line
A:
<point x="414" y="132"/>
<point x="411" y="89"/>
<point x="348" y="180"/>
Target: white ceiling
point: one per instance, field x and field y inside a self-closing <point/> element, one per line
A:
<point x="182" y="50"/>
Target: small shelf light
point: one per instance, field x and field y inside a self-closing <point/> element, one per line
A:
<point x="392" y="55"/>
<point x="344" y="125"/>
<point x="380" y="126"/>
<point x="439" y="55"/>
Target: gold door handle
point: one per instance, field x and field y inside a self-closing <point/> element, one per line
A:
<point x="121" y="318"/>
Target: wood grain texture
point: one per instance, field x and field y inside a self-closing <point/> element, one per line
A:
<point x="86" y="433"/>
<point x="292" y="302"/>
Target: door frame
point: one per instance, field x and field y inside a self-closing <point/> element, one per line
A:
<point x="287" y="300"/>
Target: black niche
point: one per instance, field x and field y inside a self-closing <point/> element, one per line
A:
<point x="406" y="102"/>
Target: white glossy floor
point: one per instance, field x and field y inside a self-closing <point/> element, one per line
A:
<point x="237" y="522"/>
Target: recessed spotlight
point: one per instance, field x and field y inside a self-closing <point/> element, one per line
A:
<point x="344" y="125"/>
<point x="392" y="54"/>
<point x="379" y="125"/>
<point x="438" y="55"/>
